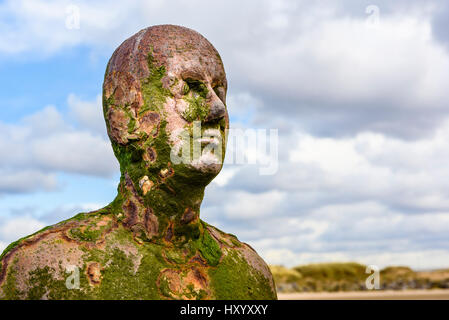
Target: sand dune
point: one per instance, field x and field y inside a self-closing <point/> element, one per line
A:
<point x="436" y="294"/>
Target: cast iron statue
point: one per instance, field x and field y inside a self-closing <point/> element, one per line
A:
<point x="161" y="85"/>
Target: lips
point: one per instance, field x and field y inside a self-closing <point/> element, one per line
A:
<point x="209" y="141"/>
<point x="210" y="137"/>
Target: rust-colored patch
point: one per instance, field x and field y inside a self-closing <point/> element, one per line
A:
<point x="29" y="242"/>
<point x="139" y="219"/>
<point x="118" y="125"/>
<point x="198" y="260"/>
<point x="167" y="172"/>
<point x="169" y="232"/>
<point x="131" y="214"/>
<point x="46" y="249"/>
<point x="185" y="284"/>
<point x="104" y="221"/>
<point x="151" y="223"/>
<point x="93" y="273"/>
<point x="125" y="89"/>
<point x="197" y="277"/>
<point x="149" y="122"/>
<point x="150" y="155"/>
<point x="172" y="279"/>
<point x="145" y="184"/>
<point x="188" y="216"/>
<point x="129" y="184"/>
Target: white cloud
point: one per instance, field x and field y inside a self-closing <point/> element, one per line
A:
<point x="225" y="175"/>
<point x="88" y="114"/>
<point x="399" y="54"/>
<point x="320" y="63"/>
<point x="338" y="75"/>
<point x="78" y="152"/>
<point x="337" y="89"/>
<point x="420" y="260"/>
<point x="396" y="172"/>
<point x="24" y="221"/>
<point x="43" y="144"/>
<point x="364" y="232"/>
<point x="41" y="25"/>
<point x="62" y="212"/>
<point x="369" y="197"/>
<point x="242" y="107"/>
<point x="248" y="206"/>
<point x="44" y="122"/>
<point x="16" y="228"/>
<point x="26" y="181"/>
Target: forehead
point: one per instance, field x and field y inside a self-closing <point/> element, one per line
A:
<point x="197" y="65"/>
<point x="184" y="53"/>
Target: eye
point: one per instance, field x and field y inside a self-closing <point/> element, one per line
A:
<point x="197" y="86"/>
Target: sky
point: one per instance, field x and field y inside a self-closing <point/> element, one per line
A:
<point x="358" y="91"/>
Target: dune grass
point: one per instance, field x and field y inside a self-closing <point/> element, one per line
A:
<point x="351" y="276"/>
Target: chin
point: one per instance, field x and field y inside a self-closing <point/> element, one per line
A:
<point x="207" y="163"/>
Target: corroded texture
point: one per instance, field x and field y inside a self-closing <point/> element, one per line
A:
<point x="114" y="266"/>
<point x="149" y="243"/>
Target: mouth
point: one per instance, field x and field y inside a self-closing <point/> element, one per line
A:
<point x="201" y="146"/>
<point x="212" y="137"/>
<point x="210" y="157"/>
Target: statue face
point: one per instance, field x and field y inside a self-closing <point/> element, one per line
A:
<point x="165" y="96"/>
<point x="196" y="113"/>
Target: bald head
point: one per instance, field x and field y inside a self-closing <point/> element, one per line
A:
<point x="183" y="52"/>
<point x="160" y="82"/>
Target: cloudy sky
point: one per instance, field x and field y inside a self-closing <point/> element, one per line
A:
<point x="358" y="91"/>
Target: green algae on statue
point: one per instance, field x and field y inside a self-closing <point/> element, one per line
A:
<point x="149" y="243"/>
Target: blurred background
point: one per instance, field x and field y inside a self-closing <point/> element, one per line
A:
<point x="358" y="91"/>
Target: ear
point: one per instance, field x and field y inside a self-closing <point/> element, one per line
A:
<point x="120" y="125"/>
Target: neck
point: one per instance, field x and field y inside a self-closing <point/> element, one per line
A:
<point x="165" y="211"/>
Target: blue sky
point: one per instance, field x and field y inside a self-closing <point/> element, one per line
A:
<point x="360" y="102"/>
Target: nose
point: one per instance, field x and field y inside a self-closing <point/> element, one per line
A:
<point x="217" y="109"/>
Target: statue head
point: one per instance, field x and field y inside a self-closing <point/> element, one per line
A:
<point x="164" y="94"/>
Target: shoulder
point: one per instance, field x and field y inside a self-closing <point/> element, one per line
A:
<point x="52" y="250"/>
<point x="241" y="272"/>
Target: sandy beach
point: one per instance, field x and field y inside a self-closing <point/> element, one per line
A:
<point x="436" y="294"/>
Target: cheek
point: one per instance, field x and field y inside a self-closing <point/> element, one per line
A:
<point x="181" y="105"/>
<point x="149" y="123"/>
<point x="175" y="122"/>
<point x="119" y="123"/>
<point x="176" y="88"/>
